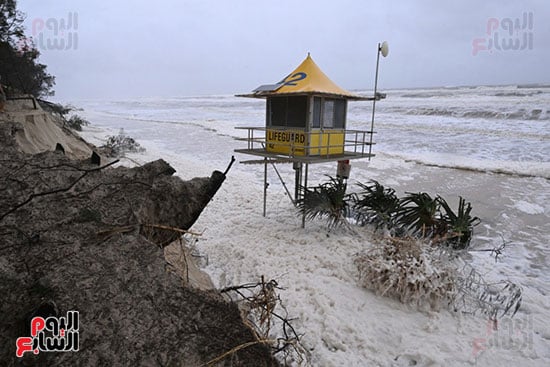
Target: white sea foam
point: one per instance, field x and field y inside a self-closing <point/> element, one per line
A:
<point x="529" y="208"/>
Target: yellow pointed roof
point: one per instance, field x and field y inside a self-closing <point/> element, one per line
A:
<point x="307" y="78"/>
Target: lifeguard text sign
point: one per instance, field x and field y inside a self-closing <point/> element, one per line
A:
<point x="286" y="142"/>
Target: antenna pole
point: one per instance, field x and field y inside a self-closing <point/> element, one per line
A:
<point x="374" y="100"/>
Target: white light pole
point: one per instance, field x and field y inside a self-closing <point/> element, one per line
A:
<point x="382" y="49"/>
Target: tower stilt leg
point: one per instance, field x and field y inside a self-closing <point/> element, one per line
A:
<point x="265" y="184"/>
<point x="305" y="187"/>
<point x="298" y="180"/>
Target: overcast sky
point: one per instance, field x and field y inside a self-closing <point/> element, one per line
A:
<point x="128" y="49"/>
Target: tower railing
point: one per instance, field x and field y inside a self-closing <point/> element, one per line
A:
<point x="292" y="142"/>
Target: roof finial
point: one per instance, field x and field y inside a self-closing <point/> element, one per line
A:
<point x="308" y="54"/>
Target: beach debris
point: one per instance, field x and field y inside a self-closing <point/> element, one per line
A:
<point x="264" y="312"/>
<point x="59" y="148"/>
<point x="408" y="270"/>
<point x="431" y="277"/>
<point x="119" y="145"/>
<point x="477" y="296"/>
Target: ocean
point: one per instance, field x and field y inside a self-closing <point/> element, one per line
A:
<point x="500" y="129"/>
<point x="489" y="144"/>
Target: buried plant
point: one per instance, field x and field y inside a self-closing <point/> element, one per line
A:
<point x="424" y="216"/>
<point x="407" y="269"/>
<point x="118" y="145"/>
<point x="328" y="200"/>
<point x="429" y="217"/>
<point x="431" y="277"/>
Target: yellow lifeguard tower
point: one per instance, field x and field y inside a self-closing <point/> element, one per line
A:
<point x="306" y="123"/>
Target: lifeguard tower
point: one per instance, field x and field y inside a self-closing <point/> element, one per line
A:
<point x="305" y="124"/>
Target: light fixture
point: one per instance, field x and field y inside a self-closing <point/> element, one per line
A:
<point x="384" y="49"/>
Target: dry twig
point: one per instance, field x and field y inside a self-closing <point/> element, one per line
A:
<point x="259" y="305"/>
<point x="174" y="229"/>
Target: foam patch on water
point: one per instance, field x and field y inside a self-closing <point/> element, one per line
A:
<point x="529" y="208"/>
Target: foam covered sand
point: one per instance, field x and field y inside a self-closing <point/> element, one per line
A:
<point x="342" y="323"/>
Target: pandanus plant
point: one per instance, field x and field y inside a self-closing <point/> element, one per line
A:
<point x="419" y="213"/>
<point x="328" y="200"/>
<point x="460" y="225"/>
<point x="375" y="205"/>
<point x="423" y="215"/>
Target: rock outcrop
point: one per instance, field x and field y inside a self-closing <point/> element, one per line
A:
<point x="91" y="239"/>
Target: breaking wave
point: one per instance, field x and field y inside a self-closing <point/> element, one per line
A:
<point x="513" y="168"/>
<point x="520" y="114"/>
<point x="443" y="94"/>
<point x="517" y="94"/>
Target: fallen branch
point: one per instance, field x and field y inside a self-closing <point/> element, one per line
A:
<point x="259" y="308"/>
<point x="229" y="166"/>
<point x="174" y="229"/>
<point x="236" y="349"/>
<point x="475" y="295"/>
<point x="495" y="251"/>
